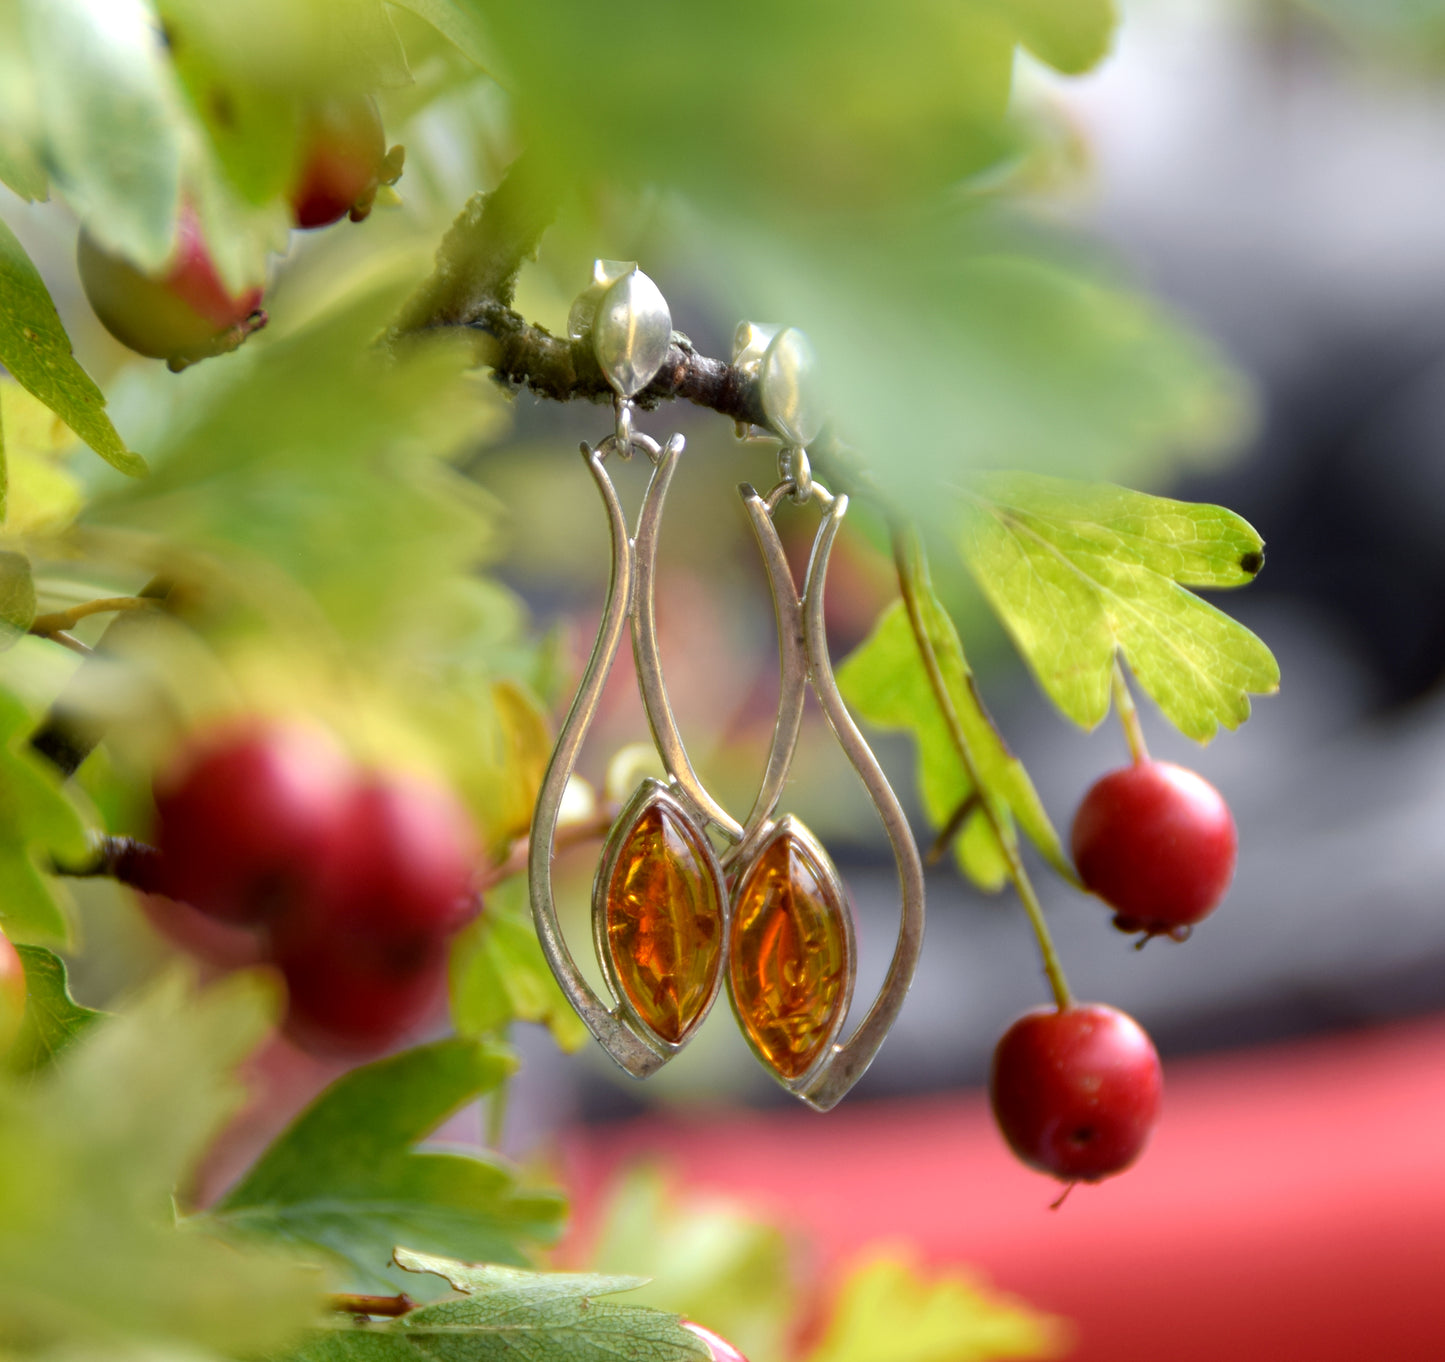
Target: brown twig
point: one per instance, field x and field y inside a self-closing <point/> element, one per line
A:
<point x="120" y="858"/>
<point x="385" y="1307"/>
<point x="569" y="835"/>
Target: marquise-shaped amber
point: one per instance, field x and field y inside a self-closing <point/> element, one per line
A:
<point x="665" y="922"/>
<point x="788" y="956"/>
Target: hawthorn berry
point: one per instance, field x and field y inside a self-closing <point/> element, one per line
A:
<point x="401" y="869"/>
<point x="357" y="994"/>
<point x="12" y="993"/>
<point x="344" y="161"/>
<point x="364" y="955"/>
<point x="246" y="818"/>
<point x="182" y="315"/>
<point x="1157" y="843"/>
<point x="1076" y="1090"/>
<point x="720" y="1349"/>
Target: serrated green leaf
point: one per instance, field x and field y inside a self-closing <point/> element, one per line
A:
<point x="346" y="1179"/>
<point x="1081" y="573"/>
<point x="457" y="22"/>
<point x="54" y="1021"/>
<point x="36" y="819"/>
<point x="505" y="1315"/>
<point x="705" y="1261"/>
<point x="114" y="127"/>
<point x="92" y="1151"/>
<point x="21" y="167"/>
<point x="885" y="683"/>
<point x="888" y="1309"/>
<point x="17" y="598"/>
<point x="36" y="350"/>
<point x="499" y="974"/>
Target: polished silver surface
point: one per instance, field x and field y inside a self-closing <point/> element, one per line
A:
<point x="632" y="1051"/>
<point x="849" y="1061"/>
<point x="583" y="313"/>
<point x="660" y="717"/>
<point x="650" y="793"/>
<point x="631" y="332"/>
<point x="788" y="377"/>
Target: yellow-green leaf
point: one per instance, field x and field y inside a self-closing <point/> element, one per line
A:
<point x="888" y="1309"/>
<point x="36" y="350"/>
<point x="885" y="682"/>
<point x="1081" y="573"/>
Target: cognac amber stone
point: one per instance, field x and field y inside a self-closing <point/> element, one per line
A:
<point x="788" y="964"/>
<point x="665" y="922"/>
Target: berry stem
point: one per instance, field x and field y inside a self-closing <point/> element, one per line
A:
<point x="1128" y="713"/>
<point x="913" y="582"/>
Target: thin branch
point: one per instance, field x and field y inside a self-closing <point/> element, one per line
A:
<point x="385" y="1307"/>
<point x="119" y="858"/>
<point x="569" y="835"/>
<point x="912" y="579"/>
<point x="1128" y="713"/>
<point x="68" y="733"/>
<point x="57" y="620"/>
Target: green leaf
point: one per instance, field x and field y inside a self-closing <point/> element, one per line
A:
<point x="17" y="598"/>
<point x="113" y="122"/>
<point x="346" y="1179"/>
<point x="54" y="1021"/>
<point x="886" y="684"/>
<point x="35" y="819"/>
<point x="41" y="494"/>
<point x="21" y="167"/>
<point x="499" y="974"/>
<point x="1070" y="35"/>
<point x="1081" y="573"/>
<point x="313" y="462"/>
<point x="457" y="22"/>
<point x="705" y="1261"/>
<point x="504" y="1315"/>
<point x="887" y="1309"/>
<point x="36" y="350"/>
<point x="92" y="1152"/>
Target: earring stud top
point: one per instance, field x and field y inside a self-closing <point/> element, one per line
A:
<point x="629" y="322"/>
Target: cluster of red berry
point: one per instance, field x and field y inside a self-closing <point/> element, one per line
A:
<point x="186" y="313"/>
<point x="355" y="878"/>
<point x="1076" y="1090"/>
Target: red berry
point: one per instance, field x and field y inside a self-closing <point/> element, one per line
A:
<point x="246" y="819"/>
<point x="357" y="995"/>
<point x="401" y="871"/>
<point x="343" y="161"/>
<point x="12" y="993"/>
<point x="181" y="315"/>
<point x="1076" y="1090"/>
<point x="1157" y="843"/>
<point x="720" y="1348"/>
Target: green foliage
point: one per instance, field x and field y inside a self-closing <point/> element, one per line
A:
<point x="39" y="496"/>
<point x="35" y="819"/>
<point x="888" y="1310"/>
<point x="36" y="350"/>
<point x="1081" y="574"/>
<point x="346" y="1179"/>
<point x="91" y="1151"/>
<point x="705" y="1261"/>
<point x="504" y="1315"/>
<point x="886" y="682"/>
<point x="499" y="974"/>
<point x="54" y="1021"/>
<point x="456" y="20"/>
<point x="311" y="462"/>
<point x="17" y="598"/>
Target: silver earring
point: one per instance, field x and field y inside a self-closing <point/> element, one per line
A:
<point x="673" y="921"/>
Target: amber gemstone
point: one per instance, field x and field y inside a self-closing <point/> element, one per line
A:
<point x="665" y="921"/>
<point x="788" y="964"/>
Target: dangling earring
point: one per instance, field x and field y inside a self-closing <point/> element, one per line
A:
<point x="791" y="950"/>
<point x="671" y="921"/>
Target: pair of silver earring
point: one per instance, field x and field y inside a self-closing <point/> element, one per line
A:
<point x="674" y="920"/>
